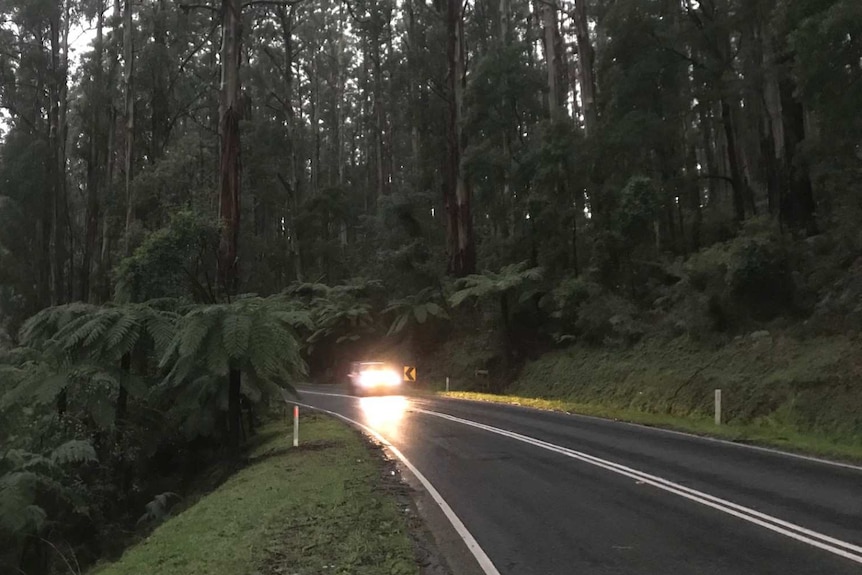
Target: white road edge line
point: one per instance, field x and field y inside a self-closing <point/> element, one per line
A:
<point x="771" y="450"/>
<point x="760" y="448"/>
<point x="819" y="540"/>
<point x="481" y="557"/>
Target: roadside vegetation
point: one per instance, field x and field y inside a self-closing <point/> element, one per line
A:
<point x="624" y="204"/>
<point x="319" y="508"/>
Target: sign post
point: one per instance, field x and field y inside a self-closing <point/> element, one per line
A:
<point x="296" y="426"/>
<point x="447" y="384"/>
<point x="718" y="407"/>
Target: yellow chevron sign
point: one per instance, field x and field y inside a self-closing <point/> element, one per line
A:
<point x="409" y="373"/>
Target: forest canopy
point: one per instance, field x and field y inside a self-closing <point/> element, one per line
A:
<point x="202" y="204"/>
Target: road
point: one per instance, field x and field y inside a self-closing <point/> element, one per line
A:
<point x="547" y="493"/>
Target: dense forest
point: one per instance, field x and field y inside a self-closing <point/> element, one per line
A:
<point x="203" y="202"/>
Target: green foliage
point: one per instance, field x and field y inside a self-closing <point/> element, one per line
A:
<point x="608" y="319"/>
<point x="415" y="310"/>
<point x="638" y="209"/>
<point x="329" y="493"/>
<point x="759" y="276"/>
<point x="172" y="262"/>
<point x="254" y="335"/>
<point x="39" y="331"/>
<point x="489" y="284"/>
<point x="340" y="313"/>
<point x="564" y="305"/>
<point x="27" y="479"/>
<point x="750" y="276"/>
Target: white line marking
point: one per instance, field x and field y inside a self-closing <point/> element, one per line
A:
<point x="481" y="557"/>
<point x="771" y="450"/>
<point x="813" y="538"/>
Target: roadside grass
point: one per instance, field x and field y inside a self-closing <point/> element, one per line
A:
<point x="786" y="439"/>
<point x="321" y="508"/>
<point x="797" y="395"/>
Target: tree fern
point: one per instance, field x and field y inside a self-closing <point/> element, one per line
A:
<point x="75" y="451"/>
<point x="488" y="284"/>
<point x="415" y="309"/>
<point x="195" y="329"/>
<point x="43" y="326"/>
<point x="125" y="330"/>
<point x="235" y="332"/>
<point x="252" y="335"/>
<point x="27" y="475"/>
<point x="501" y="285"/>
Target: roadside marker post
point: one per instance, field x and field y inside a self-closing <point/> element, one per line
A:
<point x="718" y="407"/>
<point x="296" y="426"/>
<point x="447" y="384"/>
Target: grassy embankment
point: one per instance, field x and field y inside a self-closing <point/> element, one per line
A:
<point x="317" y="509"/>
<point x="801" y="395"/>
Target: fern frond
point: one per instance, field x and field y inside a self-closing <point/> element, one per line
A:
<point x="126" y="324"/>
<point x="236" y="330"/>
<point x="215" y="356"/>
<point x="75" y="451"/>
<point x="49" y="388"/>
<point x="43" y="325"/>
<point x="161" y="327"/>
<point x="399" y="324"/>
<point x="197" y="325"/>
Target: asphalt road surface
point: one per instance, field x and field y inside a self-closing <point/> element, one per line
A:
<point x="545" y="493"/>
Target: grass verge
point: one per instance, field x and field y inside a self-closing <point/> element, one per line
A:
<point x="785" y="439"/>
<point x="321" y="508"/>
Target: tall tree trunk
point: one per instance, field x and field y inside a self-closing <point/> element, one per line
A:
<point x="551" y="31"/>
<point x="586" y="66"/>
<point x="798" y="206"/>
<point x="159" y="116"/>
<point x="110" y="154"/>
<point x="129" y="107"/>
<point x="505" y="22"/>
<point x="229" y="163"/>
<point x="95" y="164"/>
<point x="414" y="91"/>
<point x="59" y="28"/>
<point x="450" y="185"/>
<point x="460" y="222"/>
<point x="291" y="183"/>
<point x="380" y="160"/>
<point x="229" y="182"/>
<point x="733" y="161"/>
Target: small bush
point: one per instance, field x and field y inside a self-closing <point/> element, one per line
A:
<point x="608" y="318"/>
<point x="750" y="277"/>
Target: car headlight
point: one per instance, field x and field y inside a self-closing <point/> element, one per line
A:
<point x="367" y="378"/>
<point x="391" y="377"/>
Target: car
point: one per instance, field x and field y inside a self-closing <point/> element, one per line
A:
<point x="374" y="377"/>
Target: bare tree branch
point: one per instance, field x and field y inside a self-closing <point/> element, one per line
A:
<point x="357" y="19"/>
<point x="715" y="177"/>
<point x="18" y="115"/>
<point x="188" y="58"/>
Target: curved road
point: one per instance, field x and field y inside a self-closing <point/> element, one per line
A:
<point x="547" y="493"/>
